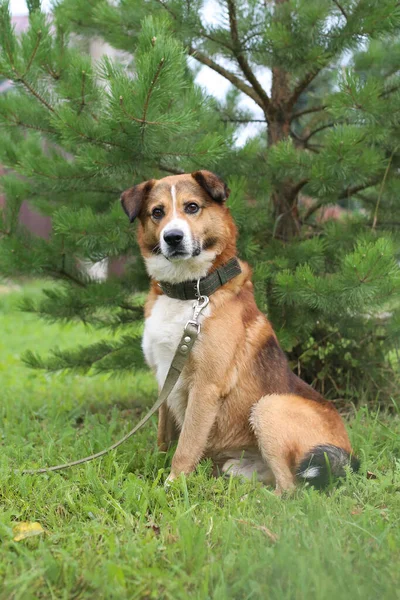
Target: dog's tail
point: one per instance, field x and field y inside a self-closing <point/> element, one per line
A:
<point x="325" y="463"/>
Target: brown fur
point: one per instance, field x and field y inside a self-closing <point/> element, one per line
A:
<point x="240" y="394"/>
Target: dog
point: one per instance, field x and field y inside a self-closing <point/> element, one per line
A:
<point x="236" y="400"/>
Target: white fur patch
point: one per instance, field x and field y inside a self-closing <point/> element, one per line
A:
<point x="249" y="464"/>
<point x="310" y="473"/>
<point x="174" y="271"/>
<point x="162" y="333"/>
<point x="187" y="242"/>
<point x="173" y="196"/>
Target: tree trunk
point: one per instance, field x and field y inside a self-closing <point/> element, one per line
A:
<point x="284" y="199"/>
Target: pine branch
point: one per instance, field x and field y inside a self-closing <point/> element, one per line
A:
<point x="382" y="188"/>
<point x="349" y="191"/>
<point x="206" y="35"/>
<point x="99" y="190"/>
<point x="312" y="149"/>
<point x="171" y="169"/>
<point x="303" y="143"/>
<point x="340" y="7"/>
<point x="24" y="82"/>
<point x="242" y="60"/>
<point x="389" y="91"/>
<point x="391" y="72"/>
<point x="308" y="111"/>
<point x="9" y="53"/>
<point x="296" y="188"/>
<point x="62" y="274"/>
<point x="130" y="307"/>
<point x="252" y="35"/>
<point x="315" y="131"/>
<point x="229" y="120"/>
<point x="55" y="76"/>
<point x="204" y="152"/>
<point x="32" y="58"/>
<point x="352" y="190"/>
<point x="301" y="86"/>
<point x="66" y="360"/>
<point x="367" y="199"/>
<point x="17" y="123"/>
<point x="141" y="121"/>
<point x="312" y="210"/>
<point x="66" y="177"/>
<point x="167" y="8"/>
<point x="33" y="5"/>
<point x="202" y="31"/>
<point x="122" y="354"/>
<point x="82" y="93"/>
<point x="21" y="79"/>
<point x="95" y="141"/>
<point x="236" y="81"/>
<point x="149" y="93"/>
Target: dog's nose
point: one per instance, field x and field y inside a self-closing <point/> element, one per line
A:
<point x="173" y="237"/>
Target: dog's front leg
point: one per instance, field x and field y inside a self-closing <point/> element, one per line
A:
<point x="199" y="418"/>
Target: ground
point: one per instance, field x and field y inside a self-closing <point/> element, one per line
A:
<point x="113" y="531"/>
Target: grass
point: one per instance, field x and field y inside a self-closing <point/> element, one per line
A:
<point x="113" y="531"/>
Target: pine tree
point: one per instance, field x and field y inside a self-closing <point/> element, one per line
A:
<point x="76" y="134"/>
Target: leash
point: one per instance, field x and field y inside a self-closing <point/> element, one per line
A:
<point x="190" y="334"/>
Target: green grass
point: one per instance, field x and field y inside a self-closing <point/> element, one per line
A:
<point x="113" y="531"/>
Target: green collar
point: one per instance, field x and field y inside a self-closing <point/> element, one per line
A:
<point x="187" y="290"/>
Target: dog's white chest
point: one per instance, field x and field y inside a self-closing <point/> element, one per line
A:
<point x="162" y="333"/>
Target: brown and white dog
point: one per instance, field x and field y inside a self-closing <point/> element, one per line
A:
<point x="236" y="400"/>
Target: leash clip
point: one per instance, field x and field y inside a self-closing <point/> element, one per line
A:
<point x="198" y="307"/>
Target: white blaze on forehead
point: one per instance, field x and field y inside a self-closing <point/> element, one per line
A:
<point x="173" y="195"/>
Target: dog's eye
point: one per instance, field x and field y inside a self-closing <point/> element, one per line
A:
<point x="192" y="208"/>
<point x="157" y="213"/>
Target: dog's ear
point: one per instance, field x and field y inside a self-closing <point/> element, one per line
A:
<point x="133" y="200"/>
<point x="213" y="185"/>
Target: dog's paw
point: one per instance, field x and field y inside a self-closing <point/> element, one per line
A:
<point x="171" y="477"/>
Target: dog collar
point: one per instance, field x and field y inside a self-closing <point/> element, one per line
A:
<point x="188" y="290"/>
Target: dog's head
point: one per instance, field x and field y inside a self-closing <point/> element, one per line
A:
<point x="184" y="223"/>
